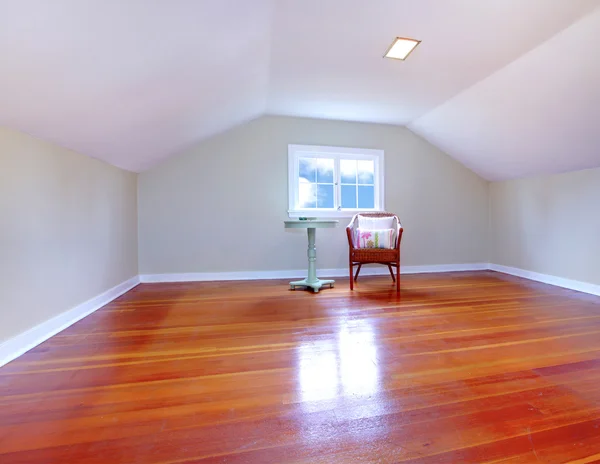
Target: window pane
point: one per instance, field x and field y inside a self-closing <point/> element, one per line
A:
<point x="366" y="197"/>
<point x="366" y="172"/>
<point x="307" y="194"/>
<point x="348" y="171"/>
<point x="308" y="169"/>
<point x="348" y="196"/>
<point x="325" y="171"/>
<point x="324" y="196"/>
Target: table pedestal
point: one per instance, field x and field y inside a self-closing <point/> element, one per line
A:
<point x="312" y="281"/>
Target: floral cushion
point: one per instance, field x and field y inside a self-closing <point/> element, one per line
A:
<point x="367" y="238"/>
<point x="377" y="223"/>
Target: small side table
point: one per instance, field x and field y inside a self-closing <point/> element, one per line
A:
<point x="311" y="225"/>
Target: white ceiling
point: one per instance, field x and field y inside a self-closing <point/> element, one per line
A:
<point x="135" y="81"/>
<point x="540" y="114"/>
<point x="132" y="81"/>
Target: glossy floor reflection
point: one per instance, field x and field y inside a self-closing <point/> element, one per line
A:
<point x="462" y="368"/>
<point x="346" y="365"/>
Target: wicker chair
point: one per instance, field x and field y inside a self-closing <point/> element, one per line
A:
<point x="360" y="256"/>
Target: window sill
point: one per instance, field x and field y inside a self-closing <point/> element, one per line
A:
<point x="347" y="213"/>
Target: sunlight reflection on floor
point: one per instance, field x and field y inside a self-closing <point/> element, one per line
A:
<point x="346" y="367"/>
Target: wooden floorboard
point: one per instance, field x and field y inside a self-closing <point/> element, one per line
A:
<point x="461" y="367"/>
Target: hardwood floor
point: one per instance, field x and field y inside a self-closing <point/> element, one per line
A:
<point x="463" y="367"/>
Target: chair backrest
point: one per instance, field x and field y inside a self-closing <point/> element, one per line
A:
<point x="377" y="215"/>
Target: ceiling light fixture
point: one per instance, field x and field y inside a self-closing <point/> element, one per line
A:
<point x="401" y="47"/>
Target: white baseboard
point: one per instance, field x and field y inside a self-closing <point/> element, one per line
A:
<point x="16" y="346"/>
<point x="548" y="279"/>
<point x="443" y="268"/>
<point x="301" y="273"/>
<point x="376" y="270"/>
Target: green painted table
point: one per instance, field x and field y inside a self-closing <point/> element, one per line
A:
<point x="311" y="225"/>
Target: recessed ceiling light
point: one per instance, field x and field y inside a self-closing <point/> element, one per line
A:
<point x="401" y="48"/>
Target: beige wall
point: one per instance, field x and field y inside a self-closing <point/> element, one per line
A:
<point x="549" y="224"/>
<point x="221" y="205"/>
<point x="68" y="230"/>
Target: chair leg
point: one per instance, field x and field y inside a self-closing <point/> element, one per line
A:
<point x="357" y="271"/>
<point x="398" y="276"/>
<point x="391" y="272"/>
<point x="351" y="276"/>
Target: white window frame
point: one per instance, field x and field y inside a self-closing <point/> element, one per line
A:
<point x="295" y="152"/>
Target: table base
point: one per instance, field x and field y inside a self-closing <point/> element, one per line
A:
<point x="315" y="285"/>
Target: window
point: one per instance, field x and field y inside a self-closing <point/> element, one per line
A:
<point x="334" y="181"/>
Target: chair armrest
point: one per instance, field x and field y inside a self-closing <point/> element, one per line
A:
<point x="399" y="236"/>
<point x="399" y="231"/>
<point x="350" y="228"/>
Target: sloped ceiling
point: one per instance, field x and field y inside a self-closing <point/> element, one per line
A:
<point x="508" y="87"/>
<point x="539" y="114"/>
<point x="132" y="81"/>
